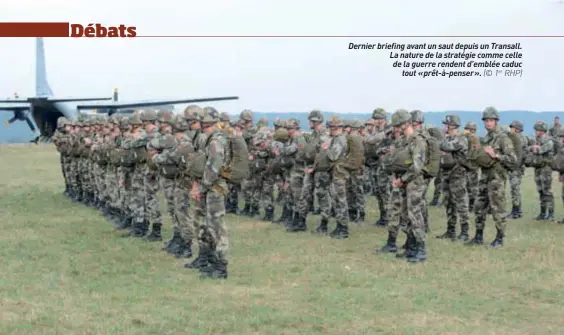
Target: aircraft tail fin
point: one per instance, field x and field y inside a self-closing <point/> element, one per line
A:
<point x="42" y="88"/>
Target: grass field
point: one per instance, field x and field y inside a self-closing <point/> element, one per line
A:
<point x="66" y="271"/>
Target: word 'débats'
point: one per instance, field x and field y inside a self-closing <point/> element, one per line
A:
<point x="98" y="30"/>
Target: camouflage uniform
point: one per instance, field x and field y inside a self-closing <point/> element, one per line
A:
<point x="516" y="175"/>
<point x="61" y="141"/>
<point x="560" y="136"/>
<point x="135" y="144"/>
<point x="110" y="148"/>
<point x="491" y="189"/>
<point x="294" y="149"/>
<point x="246" y="122"/>
<point x="454" y="181"/>
<point x="418" y="121"/>
<point x="472" y="177"/>
<point x="260" y="183"/>
<point x="355" y="184"/>
<point x="281" y="172"/>
<point x="383" y="180"/>
<point x="370" y="161"/>
<point x="336" y="153"/>
<point x="543" y="175"/>
<point x="213" y="189"/>
<point x="412" y="187"/>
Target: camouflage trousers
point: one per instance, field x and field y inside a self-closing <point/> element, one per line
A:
<point x="543" y="180"/>
<point x="296" y="186"/>
<point x="355" y="191"/>
<point x="383" y="190"/>
<point x="261" y="190"/>
<point x="84" y="166"/>
<point x="99" y="177"/>
<point x="182" y="213"/>
<point x="472" y="179"/>
<point x="112" y="186"/>
<point x="456" y="197"/>
<point x="167" y="186"/>
<point x="491" y="197"/>
<point x="339" y="179"/>
<point x="75" y="176"/>
<point x="210" y="216"/>
<point x="397" y="221"/>
<point x="412" y="207"/>
<point x="318" y="182"/>
<point x="125" y="175"/>
<point x="368" y="180"/>
<point x="515" y="179"/>
<point x="152" y="207"/>
<point x="246" y="191"/>
<point x="137" y="194"/>
<point x="233" y="196"/>
<point x="438" y="184"/>
<point x="66" y="166"/>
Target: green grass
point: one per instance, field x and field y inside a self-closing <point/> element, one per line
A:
<point x="66" y="271"/>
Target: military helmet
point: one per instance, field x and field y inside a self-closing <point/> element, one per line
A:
<point x="124" y="123"/>
<point x="541" y="126"/>
<point x="516" y="124"/>
<point x="62" y="122"/>
<point x="379" y="114"/>
<point x="164" y="116"/>
<point x="356" y="124"/>
<point x="490" y="113"/>
<point x="417" y="116"/>
<point x="347" y="123"/>
<point x="315" y="115"/>
<point x="369" y="122"/>
<point x="191" y="112"/>
<point x="148" y="115"/>
<point x="263" y="122"/>
<point x="210" y="115"/>
<point x="278" y="123"/>
<point x="452" y="120"/>
<point x="179" y="123"/>
<point x="400" y="117"/>
<point x="335" y="121"/>
<point x="246" y="115"/>
<point x="292" y="123"/>
<point x="281" y="135"/>
<point x="135" y="120"/>
<point x="471" y="125"/>
<point x="224" y="117"/>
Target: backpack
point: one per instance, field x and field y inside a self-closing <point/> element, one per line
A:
<point x="469" y="162"/>
<point x="432" y="156"/>
<point x="517" y="145"/>
<point x="237" y="169"/>
<point x="355" y="156"/>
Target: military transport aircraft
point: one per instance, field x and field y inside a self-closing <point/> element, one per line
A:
<point x="46" y="109"/>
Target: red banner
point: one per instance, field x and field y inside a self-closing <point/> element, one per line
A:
<point x="34" y="29"/>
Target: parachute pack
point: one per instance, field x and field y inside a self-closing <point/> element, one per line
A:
<point x="474" y="146"/>
<point x="432" y="156"/>
<point x="355" y="157"/>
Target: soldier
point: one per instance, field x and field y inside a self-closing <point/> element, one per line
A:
<point x="317" y="176"/>
<point x="516" y="175"/>
<point x="294" y="149"/>
<point x="417" y="120"/>
<point x="455" y="146"/>
<point x="281" y="166"/>
<point x="210" y="192"/>
<point x="114" y="212"/>
<point x="84" y="165"/>
<point x="555" y="127"/>
<point x="246" y="123"/>
<point x="370" y="160"/>
<point x="542" y="153"/>
<point x="260" y="183"/>
<point x="498" y="156"/>
<point x="224" y="120"/>
<point x="383" y="180"/>
<point x="411" y="183"/>
<point x="560" y="154"/>
<point x="136" y="147"/>
<point x="355" y="165"/>
<point x="336" y="154"/>
<point x="60" y="139"/>
<point x="472" y="176"/>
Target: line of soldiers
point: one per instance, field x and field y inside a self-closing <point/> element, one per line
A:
<point x="202" y="161"/>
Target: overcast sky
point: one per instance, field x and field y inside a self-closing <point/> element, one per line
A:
<point x="287" y="75"/>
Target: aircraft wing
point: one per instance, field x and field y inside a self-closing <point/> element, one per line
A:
<point x="134" y="104"/>
<point x="13" y="108"/>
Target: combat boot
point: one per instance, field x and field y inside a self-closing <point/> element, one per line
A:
<point x="471" y="205"/>
<point x="155" y="234"/>
<point x="449" y="234"/>
<point x="420" y="254"/>
<point x="185" y="250"/>
<point x="518" y="213"/>
<point x="217" y="267"/>
<point x="550" y="216"/>
<point x="426" y="223"/>
<point x="201" y="261"/>
<point x="284" y="216"/>
<point x="390" y="246"/>
<point x="352" y="215"/>
<point x="464" y="233"/>
<point x="176" y="248"/>
<point x="135" y="229"/>
<point x="298" y="225"/>
<point x="255" y="211"/>
<point x="142" y="229"/>
<point x="383" y="221"/>
<point x="125" y="222"/>
<point x="361" y="216"/>
<point x="478" y="238"/>
<point x="322" y="228"/>
<point x="246" y="210"/>
<point x="435" y="200"/>
<point x="230" y="207"/>
<point x="268" y="213"/>
<point x="410" y="247"/>
<point x="171" y="244"/>
<point x="498" y="241"/>
<point x="340" y="232"/>
<point x="542" y="215"/>
<point x="561" y="221"/>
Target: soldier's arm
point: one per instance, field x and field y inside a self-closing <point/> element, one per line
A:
<point x="546" y="147"/>
<point x="335" y="150"/>
<point x="457" y="144"/>
<point x="507" y="155"/>
<point x="291" y="149"/>
<point x="214" y="164"/>
<point x="418" y="157"/>
<point x="375" y="138"/>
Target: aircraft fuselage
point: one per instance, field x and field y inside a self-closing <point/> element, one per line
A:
<point x="45" y="114"/>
